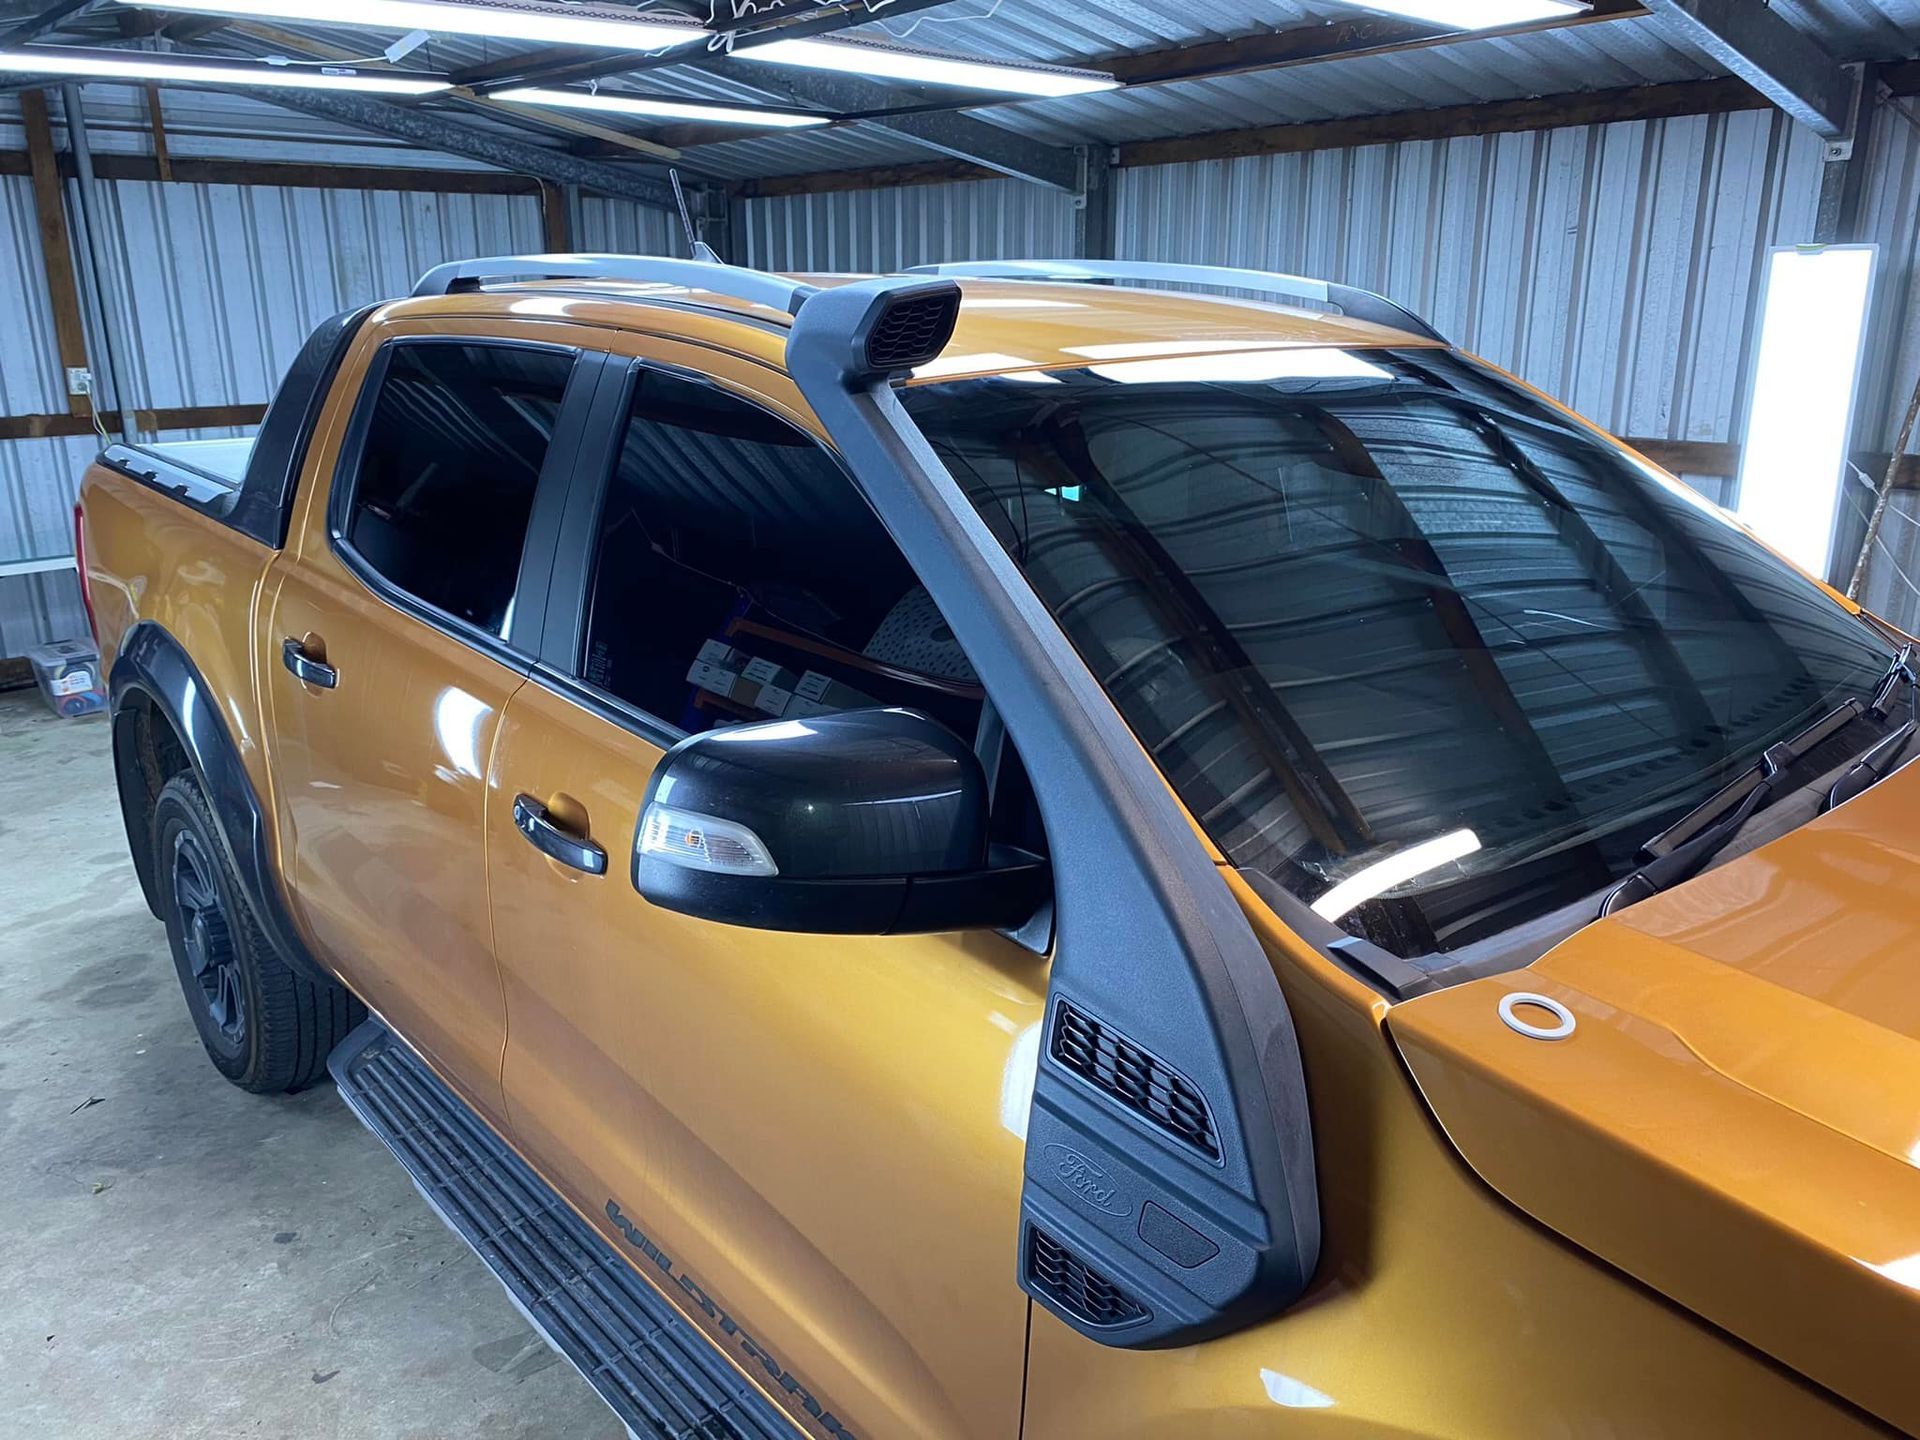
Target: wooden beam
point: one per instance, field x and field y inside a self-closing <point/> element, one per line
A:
<point x="187" y="170"/>
<point x="883" y="177"/>
<point x="1312" y="44"/>
<point x="56" y="248"/>
<point x="184" y="417"/>
<point x="1691" y="457"/>
<point x="162" y="162"/>
<point x="1597" y="107"/>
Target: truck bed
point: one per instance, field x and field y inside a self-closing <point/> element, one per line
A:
<point x="206" y="474"/>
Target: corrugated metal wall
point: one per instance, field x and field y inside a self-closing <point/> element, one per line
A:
<point x="218" y="285"/>
<point x="909" y="225"/>
<point x="1615" y="266"/>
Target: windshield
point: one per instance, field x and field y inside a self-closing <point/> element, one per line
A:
<point x="1404" y="638"/>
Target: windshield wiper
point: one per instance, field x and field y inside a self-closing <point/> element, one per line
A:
<point x="1878" y="763"/>
<point x="1685" y="859"/>
<point x="1676" y="859"/>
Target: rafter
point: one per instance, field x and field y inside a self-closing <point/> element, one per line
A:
<point x="1771" y="54"/>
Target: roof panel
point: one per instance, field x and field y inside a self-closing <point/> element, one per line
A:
<point x="1607" y="55"/>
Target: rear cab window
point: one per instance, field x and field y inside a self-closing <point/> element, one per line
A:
<point x="441" y="492"/>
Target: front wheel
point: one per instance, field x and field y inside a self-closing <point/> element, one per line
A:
<point x="266" y="1028"/>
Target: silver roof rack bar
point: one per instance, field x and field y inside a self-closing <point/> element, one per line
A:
<point x="756" y="287"/>
<point x="1347" y="299"/>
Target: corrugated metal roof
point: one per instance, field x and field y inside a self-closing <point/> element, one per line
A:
<point x="214" y="124"/>
<point x="1605" y="55"/>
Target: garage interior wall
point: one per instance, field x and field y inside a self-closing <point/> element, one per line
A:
<point x="1615" y="266"/>
<point x="217" y="286"/>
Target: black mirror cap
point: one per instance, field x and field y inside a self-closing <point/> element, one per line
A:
<point x="860" y="794"/>
<point x="875" y="822"/>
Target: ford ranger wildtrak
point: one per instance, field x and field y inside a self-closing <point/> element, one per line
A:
<point x="1043" y="849"/>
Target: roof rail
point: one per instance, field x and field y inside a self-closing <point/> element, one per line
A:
<point x="757" y="287"/>
<point x="1346" y="299"/>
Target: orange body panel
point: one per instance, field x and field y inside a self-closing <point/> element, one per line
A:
<point x="149" y="558"/>
<point x="826" y="1133"/>
<point x="816" y="1129"/>
<point x="1732" y="1120"/>
<point x="1436" y="1312"/>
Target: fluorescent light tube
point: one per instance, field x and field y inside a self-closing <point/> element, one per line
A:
<point x="1477" y="14"/>
<point x="92" y="65"/>
<point x="616" y="103"/>
<point x="1813" y="328"/>
<point x="883" y="62"/>
<point x="592" y="26"/>
<point x="1396" y="869"/>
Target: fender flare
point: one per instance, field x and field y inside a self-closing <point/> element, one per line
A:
<point x="154" y="670"/>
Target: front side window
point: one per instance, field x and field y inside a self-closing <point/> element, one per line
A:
<point x="446" y="479"/>
<point x="739" y="575"/>
<point x="1355" y="603"/>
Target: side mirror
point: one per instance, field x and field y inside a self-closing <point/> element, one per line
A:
<point x="869" y="822"/>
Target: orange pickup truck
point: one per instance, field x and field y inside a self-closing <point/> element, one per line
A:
<point x="1040" y="850"/>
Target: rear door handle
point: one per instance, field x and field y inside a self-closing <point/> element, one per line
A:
<point x="293" y="654"/>
<point x="530" y="818"/>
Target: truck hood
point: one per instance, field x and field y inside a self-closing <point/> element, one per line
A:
<point x="1735" y="1118"/>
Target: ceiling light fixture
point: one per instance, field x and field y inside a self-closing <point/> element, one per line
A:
<point x="129" y="65"/>
<point x="1478" y="14"/>
<point x="884" y="62"/>
<point x="1806" y="370"/>
<point x="616" y="103"/>
<point x="582" y="25"/>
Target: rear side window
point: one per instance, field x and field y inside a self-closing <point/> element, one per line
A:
<point x="739" y="575"/>
<point x="448" y="470"/>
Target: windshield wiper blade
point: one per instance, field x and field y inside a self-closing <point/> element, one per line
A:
<point x="1871" y="768"/>
<point x="1683" y="861"/>
<point x="1676" y="859"/>
<point x="1900" y="669"/>
<point x="1878" y="763"/>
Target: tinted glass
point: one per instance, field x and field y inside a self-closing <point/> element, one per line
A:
<point x="740" y="576"/>
<point x="1358" y="602"/>
<point x="447" y="477"/>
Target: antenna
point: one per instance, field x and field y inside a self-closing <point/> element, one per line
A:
<point x="701" y="250"/>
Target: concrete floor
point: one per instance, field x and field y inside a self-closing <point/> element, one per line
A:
<point x="178" y="1258"/>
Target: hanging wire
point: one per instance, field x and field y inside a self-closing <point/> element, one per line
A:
<point x="1893" y="561"/>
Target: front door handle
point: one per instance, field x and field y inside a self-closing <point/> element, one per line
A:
<point x="297" y="656"/>
<point x="530" y="818"/>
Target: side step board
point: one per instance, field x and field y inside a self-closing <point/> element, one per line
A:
<point x="660" y="1374"/>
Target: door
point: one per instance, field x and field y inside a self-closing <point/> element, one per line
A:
<point x="394" y="644"/>
<point x="813" y="1144"/>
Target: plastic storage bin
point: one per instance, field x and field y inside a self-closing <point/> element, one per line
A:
<point x="69" y="676"/>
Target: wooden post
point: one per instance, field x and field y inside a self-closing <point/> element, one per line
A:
<point x="162" y="162"/>
<point x="56" y="249"/>
<point x="556" y="226"/>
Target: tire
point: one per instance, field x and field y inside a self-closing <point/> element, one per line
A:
<point x="266" y="1028"/>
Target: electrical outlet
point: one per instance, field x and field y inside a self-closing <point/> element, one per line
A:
<point x="79" y="380"/>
